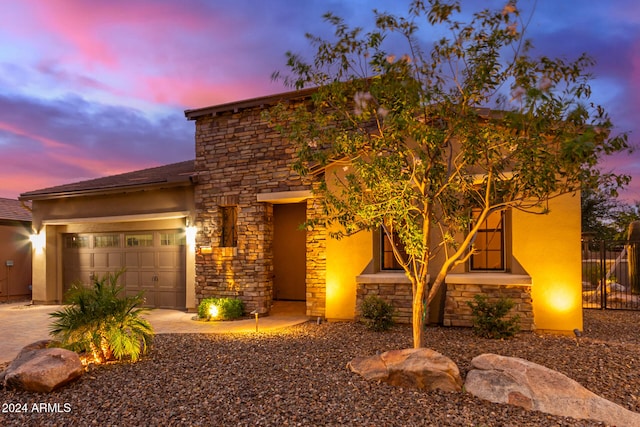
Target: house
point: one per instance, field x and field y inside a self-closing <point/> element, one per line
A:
<point x="135" y="221"/>
<point x="246" y="207"/>
<point x="15" y="250"/>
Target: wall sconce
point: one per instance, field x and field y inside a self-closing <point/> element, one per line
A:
<point x="38" y="241"/>
<point x="190" y="232"/>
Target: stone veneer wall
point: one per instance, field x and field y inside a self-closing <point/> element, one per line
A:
<point x="238" y="155"/>
<point x="399" y="295"/>
<point x="458" y="313"/>
<point x="316" y="263"/>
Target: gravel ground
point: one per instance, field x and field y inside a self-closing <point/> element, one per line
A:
<point x="297" y="377"/>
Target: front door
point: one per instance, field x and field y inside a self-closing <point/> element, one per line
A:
<point x="289" y="252"/>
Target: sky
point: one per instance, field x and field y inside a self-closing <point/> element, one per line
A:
<point x="91" y="88"/>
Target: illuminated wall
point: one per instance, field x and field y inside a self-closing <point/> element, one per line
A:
<point x="548" y="249"/>
<point x="346" y="259"/>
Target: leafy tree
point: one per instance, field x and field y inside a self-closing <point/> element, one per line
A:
<point x="426" y="135"/>
<point x="99" y="321"/>
<point x="604" y="216"/>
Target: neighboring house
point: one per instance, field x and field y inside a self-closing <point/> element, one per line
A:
<point x="15" y="250"/>
<point x="136" y="221"/>
<point x="247" y="207"/>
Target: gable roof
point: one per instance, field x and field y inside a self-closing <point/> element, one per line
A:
<point x="13" y="210"/>
<point x="175" y="174"/>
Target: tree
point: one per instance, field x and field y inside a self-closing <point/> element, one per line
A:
<point x="427" y="136"/>
<point x="604" y="216"/>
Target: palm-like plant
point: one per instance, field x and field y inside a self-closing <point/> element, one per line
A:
<point x="98" y="320"/>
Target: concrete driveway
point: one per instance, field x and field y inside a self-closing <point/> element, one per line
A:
<point x="22" y="323"/>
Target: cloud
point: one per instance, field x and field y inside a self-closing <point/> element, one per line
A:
<point x="98" y="87"/>
<point x="71" y="139"/>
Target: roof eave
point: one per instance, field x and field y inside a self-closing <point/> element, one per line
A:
<point x="185" y="182"/>
<point x="249" y="103"/>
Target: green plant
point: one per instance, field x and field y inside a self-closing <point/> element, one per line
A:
<point x="100" y="321"/>
<point x="488" y="317"/>
<point x="220" y="308"/>
<point x="376" y="313"/>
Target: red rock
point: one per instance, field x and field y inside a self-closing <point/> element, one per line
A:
<point x="420" y="368"/>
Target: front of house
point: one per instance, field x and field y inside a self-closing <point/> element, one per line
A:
<point x="247" y="207"/>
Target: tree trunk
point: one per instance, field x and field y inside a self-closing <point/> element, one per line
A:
<point x="417" y="319"/>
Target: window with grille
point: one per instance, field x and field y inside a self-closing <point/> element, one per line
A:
<point x="388" y="260"/>
<point x="139" y="240"/>
<point x="76" y="241"/>
<point x="489" y="244"/>
<point x="172" y="239"/>
<point x="106" y="241"/>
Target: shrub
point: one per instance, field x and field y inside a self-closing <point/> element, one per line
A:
<point x="376" y="313"/>
<point x="99" y="321"/>
<point x="227" y="308"/>
<point x="488" y="317"/>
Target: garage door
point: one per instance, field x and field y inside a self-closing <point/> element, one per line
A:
<point x="154" y="262"/>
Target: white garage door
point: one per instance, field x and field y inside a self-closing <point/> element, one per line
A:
<point x="154" y="262"/>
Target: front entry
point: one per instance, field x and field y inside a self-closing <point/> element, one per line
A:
<point x="289" y="252"/>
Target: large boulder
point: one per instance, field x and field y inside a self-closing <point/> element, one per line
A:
<point x="420" y="368"/>
<point x="41" y="369"/>
<point x="522" y="383"/>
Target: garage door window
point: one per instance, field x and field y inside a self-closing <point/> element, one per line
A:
<point x="139" y="240"/>
<point x="172" y="239"/>
<point x="75" y="241"/>
<point x="107" y="241"/>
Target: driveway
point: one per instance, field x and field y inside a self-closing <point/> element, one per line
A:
<point x="22" y="323"/>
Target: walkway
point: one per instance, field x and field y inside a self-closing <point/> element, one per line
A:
<point x="22" y="323"/>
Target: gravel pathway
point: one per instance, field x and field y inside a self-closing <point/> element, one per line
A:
<point x="297" y="377"/>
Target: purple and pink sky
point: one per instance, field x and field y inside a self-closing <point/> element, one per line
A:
<point x="95" y="88"/>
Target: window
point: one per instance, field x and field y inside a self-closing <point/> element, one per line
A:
<point x="229" y="237"/>
<point x="139" y="240"/>
<point x="76" y="241"/>
<point x="389" y="261"/>
<point x="107" y="241"/>
<point x="489" y="244"/>
<point x="172" y="239"/>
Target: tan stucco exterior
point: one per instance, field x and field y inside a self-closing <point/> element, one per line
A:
<point x="149" y="209"/>
<point x="548" y="249"/>
<point x="15" y="260"/>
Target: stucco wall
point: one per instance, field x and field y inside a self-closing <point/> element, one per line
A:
<point x="162" y="208"/>
<point x="548" y="249"/>
<point x="15" y="261"/>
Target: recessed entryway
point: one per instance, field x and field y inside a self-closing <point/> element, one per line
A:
<point x="289" y="252"/>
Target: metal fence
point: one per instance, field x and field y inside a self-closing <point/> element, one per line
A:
<point x="610" y="276"/>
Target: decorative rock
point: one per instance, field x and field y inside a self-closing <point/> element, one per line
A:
<point x="522" y="383"/>
<point x="420" y="368"/>
<point x="41" y="369"/>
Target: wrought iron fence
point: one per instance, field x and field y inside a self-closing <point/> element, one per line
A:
<point x="610" y="275"/>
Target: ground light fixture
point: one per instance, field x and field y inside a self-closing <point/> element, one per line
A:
<point x="214" y="311"/>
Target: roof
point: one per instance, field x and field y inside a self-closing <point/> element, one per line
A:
<point x="175" y="174"/>
<point x="249" y="103"/>
<point x="13" y="210"/>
